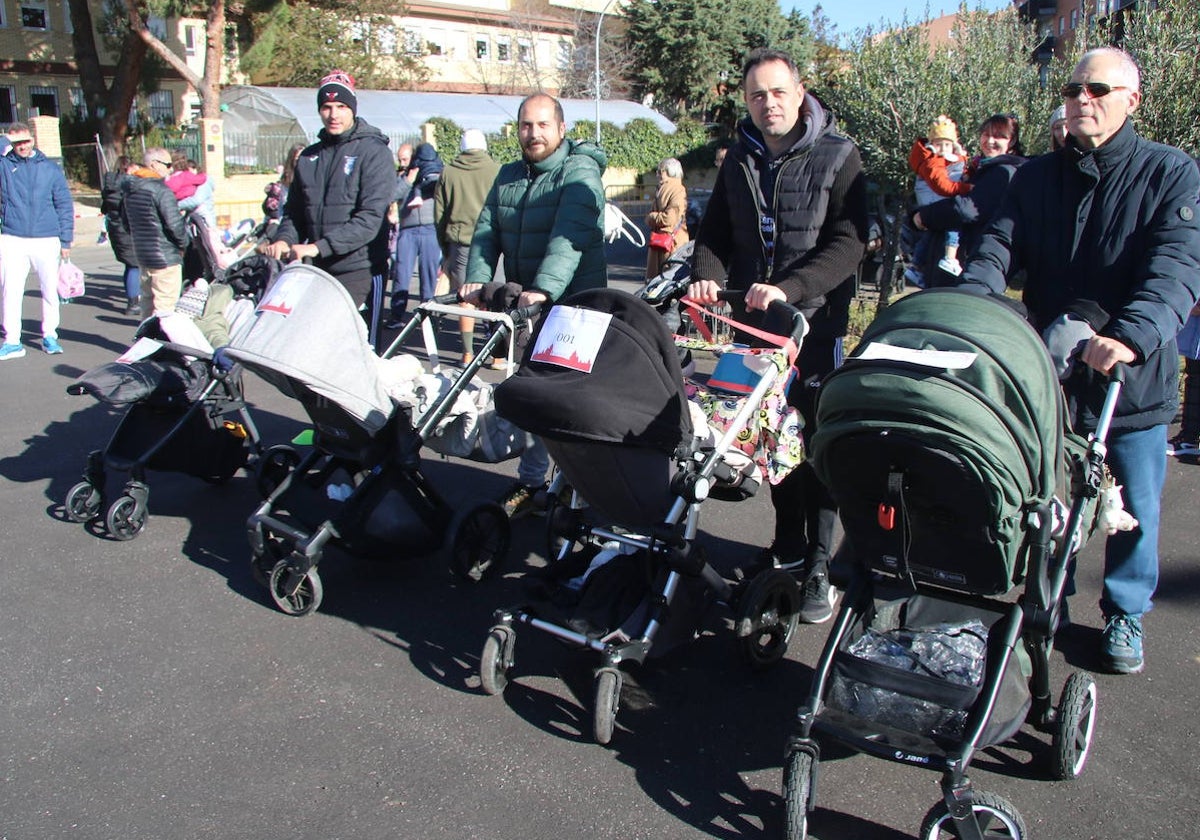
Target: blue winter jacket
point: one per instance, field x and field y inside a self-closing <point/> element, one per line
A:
<point x="25" y="184"/>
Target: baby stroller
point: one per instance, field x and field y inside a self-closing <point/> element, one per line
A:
<point x="184" y="414"/>
<point x="964" y="496"/>
<point x="602" y="384"/>
<point x="361" y="485"/>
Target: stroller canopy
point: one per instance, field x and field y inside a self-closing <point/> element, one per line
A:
<point x="632" y="395"/>
<point x="1016" y="417"/>
<point x="308" y="331"/>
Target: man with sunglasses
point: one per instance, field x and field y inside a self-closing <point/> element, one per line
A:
<point x="158" y="231"/>
<point x="1107" y="232"/>
<point x="37" y="226"/>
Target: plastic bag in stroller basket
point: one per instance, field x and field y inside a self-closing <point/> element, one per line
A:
<point x="772" y="437"/>
<point x="918" y="666"/>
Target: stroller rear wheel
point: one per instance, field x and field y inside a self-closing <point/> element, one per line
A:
<point x="479" y="539"/>
<point x="997" y="817"/>
<point x="126" y="518"/>
<point x="768" y="613"/>
<point x="303" y="598"/>
<point x="83" y="502"/>
<point x="797" y="793"/>
<point x="1073" y="726"/>
<point x="496" y="659"/>
<point x="608" y="700"/>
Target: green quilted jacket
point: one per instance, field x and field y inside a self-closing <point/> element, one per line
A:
<point x="547" y="221"/>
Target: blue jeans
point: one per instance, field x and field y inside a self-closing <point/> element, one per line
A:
<point x="417" y="245"/>
<point x="1138" y="462"/>
<point x="535" y="463"/>
<point x="133" y="282"/>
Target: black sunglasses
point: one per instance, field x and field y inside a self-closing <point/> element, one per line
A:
<point x="1095" y="90"/>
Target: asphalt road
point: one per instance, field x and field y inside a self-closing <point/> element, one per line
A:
<point x="151" y="691"/>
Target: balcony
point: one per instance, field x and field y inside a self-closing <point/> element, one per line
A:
<point x="1038" y="9"/>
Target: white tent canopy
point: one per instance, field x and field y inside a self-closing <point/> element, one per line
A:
<point x="401" y="113"/>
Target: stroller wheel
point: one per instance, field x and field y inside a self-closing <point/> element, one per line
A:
<point x="261" y="565"/>
<point x="125" y="519"/>
<point x="83" y="502"/>
<point x="996" y="816"/>
<point x="1073" y="726"/>
<point x="295" y="598"/>
<point x="608" y="700"/>
<point x="273" y="467"/>
<point x="768" y="612"/>
<point x="479" y="538"/>
<point x="797" y="794"/>
<point x="496" y="659"/>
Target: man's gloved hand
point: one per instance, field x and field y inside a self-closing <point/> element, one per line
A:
<point x="222" y="361"/>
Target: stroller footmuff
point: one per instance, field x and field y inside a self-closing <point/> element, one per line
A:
<point x="601" y="383"/>
<point x="944" y="442"/>
<point x="361" y="486"/>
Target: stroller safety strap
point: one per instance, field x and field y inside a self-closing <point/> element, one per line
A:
<point x="697" y="313"/>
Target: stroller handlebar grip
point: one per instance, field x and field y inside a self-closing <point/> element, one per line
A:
<point x="448" y="299"/>
<point x="1117" y="374"/>
<point x="525" y="314"/>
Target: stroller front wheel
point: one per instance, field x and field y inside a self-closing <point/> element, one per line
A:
<point x="295" y="598"/>
<point x="496" y="660"/>
<point x="797" y="793"/>
<point x="997" y="818"/>
<point x="608" y="701"/>
<point x="1073" y="726"/>
<point x="83" y="502"/>
<point x="126" y="518"/>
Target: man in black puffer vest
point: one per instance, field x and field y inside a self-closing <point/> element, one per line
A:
<point x="336" y="210"/>
<point x="788" y="221"/>
<point x="158" y="231"/>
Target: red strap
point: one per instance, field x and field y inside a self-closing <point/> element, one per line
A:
<point x="696" y="311"/>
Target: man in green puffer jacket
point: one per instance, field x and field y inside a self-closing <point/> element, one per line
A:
<point x="544" y="217"/>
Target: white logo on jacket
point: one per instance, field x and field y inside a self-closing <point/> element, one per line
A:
<point x="348" y="164"/>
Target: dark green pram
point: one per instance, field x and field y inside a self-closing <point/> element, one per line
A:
<point x="944" y="442"/>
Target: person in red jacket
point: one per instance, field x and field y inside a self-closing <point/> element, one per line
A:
<point x="937" y="161"/>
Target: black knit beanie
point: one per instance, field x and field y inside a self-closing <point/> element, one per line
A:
<point x="338" y="87"/>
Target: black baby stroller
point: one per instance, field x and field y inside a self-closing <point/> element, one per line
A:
<point x="185" y="414"/>
<point x="602" y="384"/>
<point x="964" y="497"/>
<point x="361" y="485"/>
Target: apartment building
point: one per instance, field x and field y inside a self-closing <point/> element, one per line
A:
<point x="1060" y="20"/>
<point x="38" y="73"/>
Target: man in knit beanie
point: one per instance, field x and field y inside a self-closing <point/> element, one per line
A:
<point x="336" y="209"/>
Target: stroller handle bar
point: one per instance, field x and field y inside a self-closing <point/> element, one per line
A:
<point x="518" y="316"/>
<point x="1116" y="380"/>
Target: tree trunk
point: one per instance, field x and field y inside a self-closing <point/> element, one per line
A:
<point x="110" y="103"/>
<point x="208" y="87"/>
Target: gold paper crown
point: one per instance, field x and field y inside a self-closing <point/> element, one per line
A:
<point x="943" y="128"/>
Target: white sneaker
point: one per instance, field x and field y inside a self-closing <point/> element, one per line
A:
<point x="950" y="266"/>
<point x="11" y="351"/>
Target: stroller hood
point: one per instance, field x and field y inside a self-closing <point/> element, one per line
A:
<point x="307" y="331"/>
<point x="632" y="393"/>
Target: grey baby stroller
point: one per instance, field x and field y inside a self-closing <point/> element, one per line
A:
<point x="602" y="384"/>
<point x="964" y="497"/>
<point x="361" y="486"/>
<point x="184" y="413"/>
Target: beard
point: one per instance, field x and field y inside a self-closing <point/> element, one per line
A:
<point x="537" y="153"/>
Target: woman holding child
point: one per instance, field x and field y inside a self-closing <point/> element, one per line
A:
<point x="1000" y="153"/>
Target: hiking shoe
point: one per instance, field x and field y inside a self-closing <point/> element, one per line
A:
<point x="1183" y="445"/>
<point x="522" y="500"/>
<point x="1122" y="645"/>
<point x="819" y="596"/>
<point x="11" y="351"/>
<point x="51" y="346"/>
<point x="914" y="277"/>
<point x="134" y="307"/>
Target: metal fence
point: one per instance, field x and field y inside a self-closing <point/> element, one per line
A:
<point x="251" y="152"/>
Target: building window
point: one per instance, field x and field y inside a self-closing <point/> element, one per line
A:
<point x="68" y="24"/>
<point x="3" y="14"/>
<point x="8" y="104"/>
<point x="78" y="103"/>
<point x="412" y="42"/>
<point x="33" y="14"/>
<point x="565" y="55"/>
<point x="435" y="43"/>
<point x="1062" y="25"/>
<point x="1074" y="18"/>
<point x="483" y="48"/>
<point x="189" y="40"/>
<point x="524" y="51"/>
<point x="157" y="27"/>
<point x="43" y="101"/>
<point x="385" y="38"/>
<point x="503" y="48"/>
<point x="162" y="107"/>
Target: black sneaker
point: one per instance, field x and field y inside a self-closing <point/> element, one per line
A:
<point x="394" y="323"/>
<point x="819" y="596"/>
